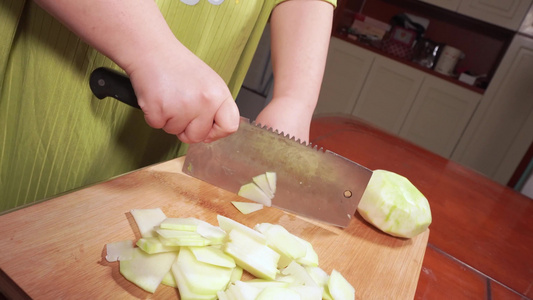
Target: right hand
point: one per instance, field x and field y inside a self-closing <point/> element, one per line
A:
<point x="176" y="90"/>
<point x="181" y="94"/>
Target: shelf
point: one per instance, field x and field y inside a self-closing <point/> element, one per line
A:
<point x="409" y="63"/>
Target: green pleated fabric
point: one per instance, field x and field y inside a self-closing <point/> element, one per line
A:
<point x="55" y="136"/>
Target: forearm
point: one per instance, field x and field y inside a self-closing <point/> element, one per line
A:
<point x="300" y="39"/>
<point x="123" y="30"/>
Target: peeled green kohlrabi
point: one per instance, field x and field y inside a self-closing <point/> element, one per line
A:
<point x="394" y="205"/>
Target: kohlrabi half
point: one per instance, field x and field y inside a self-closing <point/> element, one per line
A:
<point x="394" y="205"/>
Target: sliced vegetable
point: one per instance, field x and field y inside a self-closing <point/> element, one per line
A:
<point x="209" y="272"/>
<point x="311" y="257"/>
<point x="201" y="278"/>
<point x="213" y="256"/>
<point x="183" y="224"/>
<point x="308" y="292"/>
<point x="222" y="295"/>
<point x="236" y="274"/>
<point x="169" y="237"/>
<point x="394" y="205"/>
<point x="147" y="219"/>
<point x="242" y="290"/>
<point x="153" y="245"/>
<point x="186" y="242"/>
<point x="253" y="192"/>
<point x="247" y="207"/>
<point x="147" y="270"/>
<point x="319" y="276"/>
<point x="272" y="178"/>
<point x="178" y="234"/>
<point x="256" y="258"/>
<point x="339" y="287"/>
<point x="278" y="293"/>
<point x="299" y="273"/>
<point x="228" y="224"/>
<point x="283" y="242"/>
<point x="185" y="290"/>
<point x="213" y="233"/>
<point x="122" y="250"/>
<point x="169" y="280"/>
<point x="261" y="283"/>
<point x="261" y="190"/>
<point x="262" y="183"/>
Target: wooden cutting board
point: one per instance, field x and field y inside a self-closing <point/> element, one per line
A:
<point x="56" y="249"/>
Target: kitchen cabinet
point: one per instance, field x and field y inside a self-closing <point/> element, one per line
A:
<point x="441" y="111"/>
<point x="403" y="100"/>
<point x="344" y="76"/>
<point x="388" y="94"/>
<point x="452" y="5"/>
<point x="501" y="129"/>
<point x="505" y="13"/>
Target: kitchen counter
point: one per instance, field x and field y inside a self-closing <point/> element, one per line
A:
<point x="481" y="242"/>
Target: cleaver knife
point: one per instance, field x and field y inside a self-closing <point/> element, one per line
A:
<point x="311" y="181"/>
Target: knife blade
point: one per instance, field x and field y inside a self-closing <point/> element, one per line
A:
<point x="311" y="181"/>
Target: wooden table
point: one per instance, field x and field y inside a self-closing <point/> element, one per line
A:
<point x="55" y="249"/>
<point x="481" y="239"/>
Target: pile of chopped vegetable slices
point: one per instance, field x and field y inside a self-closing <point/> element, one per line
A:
<point x="205" y="262"/>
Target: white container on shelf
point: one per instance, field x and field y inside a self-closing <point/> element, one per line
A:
<point x="448" y="60"/>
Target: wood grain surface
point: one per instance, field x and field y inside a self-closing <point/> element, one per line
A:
<point x="56" y="249"/>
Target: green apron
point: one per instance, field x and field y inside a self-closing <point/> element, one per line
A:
<point x="55" y="136"/>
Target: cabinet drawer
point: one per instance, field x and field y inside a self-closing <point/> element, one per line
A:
<point x="439" y="116"/>
<point x="452" y="5"/>
<point x="505" y="13"/>
<point x="344" y="76"/>
<point x="388" y="94"/>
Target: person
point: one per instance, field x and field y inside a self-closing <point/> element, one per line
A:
<point x="186" y="59"/>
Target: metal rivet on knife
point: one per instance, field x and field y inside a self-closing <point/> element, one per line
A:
<point x="347" y="194"/>
<point x="101" y="82"/>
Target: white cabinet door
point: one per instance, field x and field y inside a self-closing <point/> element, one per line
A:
<point x="346" y="69"/>
<point x="452" y="5"/>
<point x="439" y="116"/>
<point x="505" y="13"/>
<point x="388" y="94"/>
<point x="502" y="127"/>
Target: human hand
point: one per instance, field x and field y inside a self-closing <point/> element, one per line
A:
<point x="288" y="116"/>
<point x="181" y="94"/>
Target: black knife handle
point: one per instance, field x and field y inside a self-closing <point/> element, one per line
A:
<point x="105" y="82"/>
